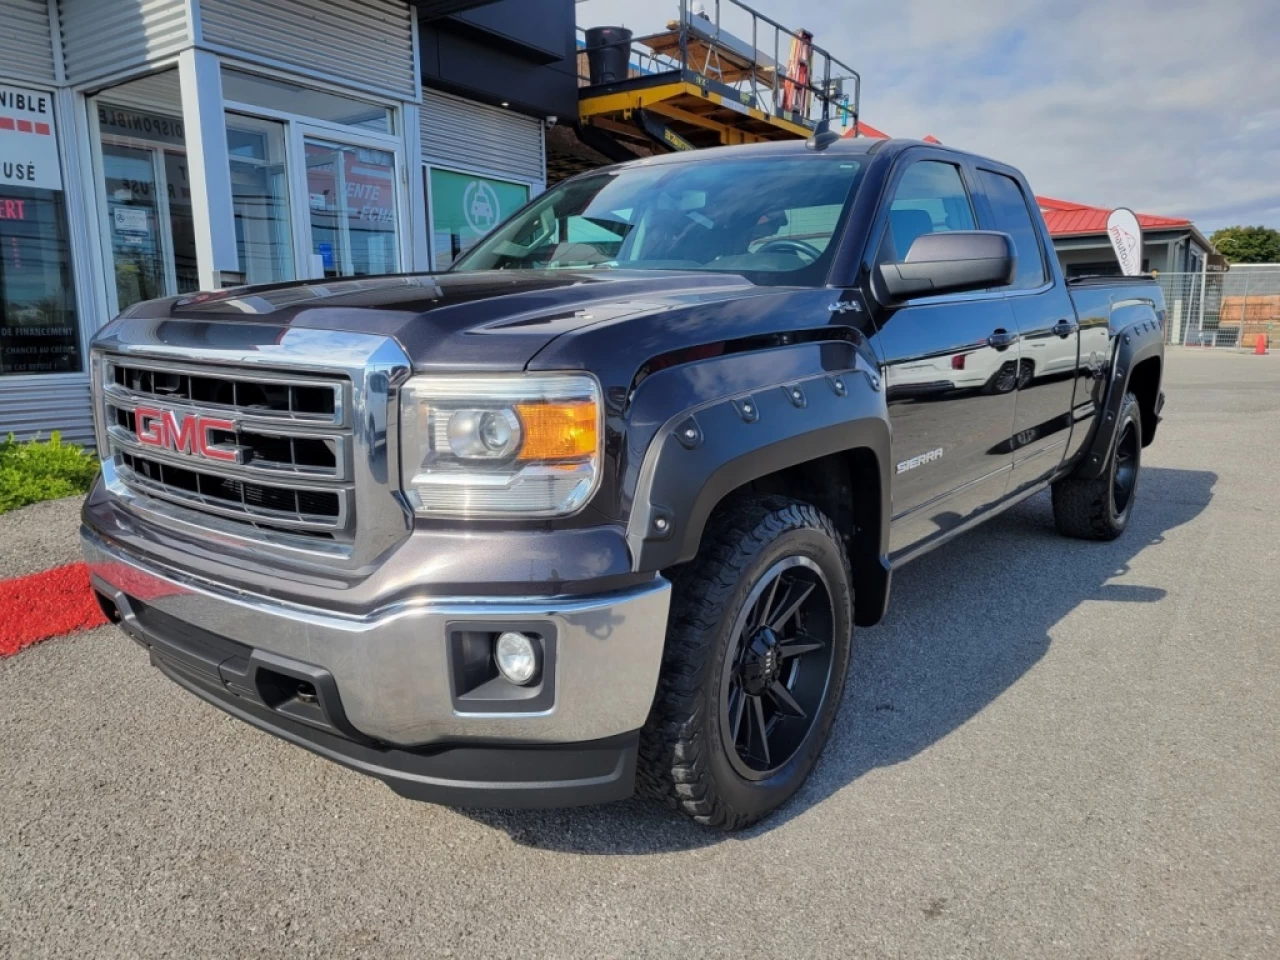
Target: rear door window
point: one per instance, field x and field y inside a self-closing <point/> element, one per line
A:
<point x="1011" y="215"/>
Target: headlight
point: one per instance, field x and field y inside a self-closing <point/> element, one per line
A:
<point x="501" y="446"/>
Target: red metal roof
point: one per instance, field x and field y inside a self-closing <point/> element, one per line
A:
<point x="871" y="133"/>
<point x="867" y="130"/>
<point x="1066" y="219"/>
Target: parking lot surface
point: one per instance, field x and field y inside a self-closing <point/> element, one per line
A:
<point x="1050" y="749"/>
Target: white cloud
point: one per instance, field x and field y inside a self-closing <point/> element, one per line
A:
<point x="1167" y="106"/>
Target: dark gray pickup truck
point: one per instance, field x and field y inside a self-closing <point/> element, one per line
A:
<point x="599" y="508"/>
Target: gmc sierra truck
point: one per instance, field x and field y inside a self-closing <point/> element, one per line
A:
<point x="598" y="509"/>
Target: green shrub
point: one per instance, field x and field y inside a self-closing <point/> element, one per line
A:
<point x="42" y="470"/>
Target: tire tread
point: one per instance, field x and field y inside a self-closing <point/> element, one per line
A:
<point x="1082" y="508"/>
<point x="673" y="764"/>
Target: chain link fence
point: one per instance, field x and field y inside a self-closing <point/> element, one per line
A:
<point x="1225" y="310"/>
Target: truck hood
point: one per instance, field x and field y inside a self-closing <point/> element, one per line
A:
<point x="495" y="320"/>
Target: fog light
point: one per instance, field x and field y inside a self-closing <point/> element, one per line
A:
<point x="517" y="657"/>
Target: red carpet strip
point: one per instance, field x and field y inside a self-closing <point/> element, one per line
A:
<point x="46" y="605"/>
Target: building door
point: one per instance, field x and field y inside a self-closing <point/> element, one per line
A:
<point x="260" y="196"/>
<point x="352" y="206"/>
<point x="134" y="223"/>
<point x="145" y="207"/>
<point x="149" y="221"/>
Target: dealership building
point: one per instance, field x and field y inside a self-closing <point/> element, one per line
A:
<point x="150" y="148"/>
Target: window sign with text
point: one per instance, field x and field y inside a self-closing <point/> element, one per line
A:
<point x="39" y="331"/>
<point x="28" y="144"/>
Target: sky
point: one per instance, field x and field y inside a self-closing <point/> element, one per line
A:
<point x="1166" y="106"/>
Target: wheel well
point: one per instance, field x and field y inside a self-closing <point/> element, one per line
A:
<point x="1144" y="383"/>
<point x="846" y="487"/>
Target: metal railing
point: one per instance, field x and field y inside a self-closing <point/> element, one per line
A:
<point x="705" y="45"/>
<point x="1224" y="310"/>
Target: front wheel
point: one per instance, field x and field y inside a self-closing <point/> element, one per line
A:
<point x="754" y="666"/>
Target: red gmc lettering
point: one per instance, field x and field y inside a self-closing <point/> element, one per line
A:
<point x="190" y="434"/>
<point x="180" y="433"/>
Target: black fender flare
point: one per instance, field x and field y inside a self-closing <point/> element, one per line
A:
<point x="1139" y="336"/>
<point x="702" y="453"/>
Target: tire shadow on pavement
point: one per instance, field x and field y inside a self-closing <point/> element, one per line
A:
<point x="964" y="624"/>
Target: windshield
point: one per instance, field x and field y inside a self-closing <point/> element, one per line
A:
<point x="770" y="218"/>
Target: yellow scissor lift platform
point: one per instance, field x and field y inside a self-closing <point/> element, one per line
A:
<point x="695" y="85"/>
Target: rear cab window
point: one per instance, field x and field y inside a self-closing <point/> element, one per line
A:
<point x="1012" y="215"/>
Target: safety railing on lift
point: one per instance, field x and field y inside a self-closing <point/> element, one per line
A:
<point x="810" y="84"/>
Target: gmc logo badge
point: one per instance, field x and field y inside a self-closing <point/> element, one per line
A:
<point x="191" y="434"/>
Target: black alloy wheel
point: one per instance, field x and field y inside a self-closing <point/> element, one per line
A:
<point x="1128" y="455"/>
<point x="757" y="652"/>
<point x="1099" y="508"/>
<point x="777" y="676"/>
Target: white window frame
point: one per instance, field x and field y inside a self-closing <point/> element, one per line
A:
<point x="297" y="127"/>
<point x="299" y="134"/>
<point x="165" y="226"/>
<point x="230" y="117"/>
<point x="98" y="198"/>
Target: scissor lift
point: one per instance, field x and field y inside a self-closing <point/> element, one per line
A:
<point x="696" y="85"/>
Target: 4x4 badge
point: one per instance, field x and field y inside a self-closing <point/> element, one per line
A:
<point x="845" y="306"/>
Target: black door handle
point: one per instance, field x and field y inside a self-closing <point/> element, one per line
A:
<point x="1001" y="339"/>
<point x="1065" y="328"/>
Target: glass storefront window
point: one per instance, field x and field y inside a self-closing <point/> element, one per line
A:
<point x="248" y="88"/>
<point x="352" y="202"/>
<point x="39" y="332"/>
<point x="182" y="224"/>
<point x="146" y="190"/>
<point x="464" y="208"/>
<point x="260" y="192"/>
<point x="38" y="328"/>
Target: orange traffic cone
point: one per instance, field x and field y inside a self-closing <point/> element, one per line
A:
<point x="1260" y="345"/>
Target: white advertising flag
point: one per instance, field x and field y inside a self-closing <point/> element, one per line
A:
<point x="1126" y="238"/>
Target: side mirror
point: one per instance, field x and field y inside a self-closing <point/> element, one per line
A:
<point x="952" y="262"/>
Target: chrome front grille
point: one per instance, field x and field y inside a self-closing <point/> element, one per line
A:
<point x="283" y="443"/>
<point x="236" y="392"/>
<point x="302" y="424"/>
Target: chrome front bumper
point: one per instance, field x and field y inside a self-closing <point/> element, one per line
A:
<point x="391" y="666"/>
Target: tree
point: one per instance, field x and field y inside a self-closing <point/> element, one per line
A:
<point x="1248" y="244"/>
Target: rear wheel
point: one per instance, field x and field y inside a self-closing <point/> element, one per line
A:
<point x="1099" y="509"/>
<point x="754" y="665"/>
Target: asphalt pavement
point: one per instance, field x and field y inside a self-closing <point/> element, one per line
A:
<point x="1050" y="749"/>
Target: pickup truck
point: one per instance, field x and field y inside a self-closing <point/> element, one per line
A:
<point x="598" y="509"/>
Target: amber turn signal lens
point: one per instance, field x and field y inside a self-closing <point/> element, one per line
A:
<point x="558" y="431"/>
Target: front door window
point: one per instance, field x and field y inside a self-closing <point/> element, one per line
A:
<point x="352" y="201"/>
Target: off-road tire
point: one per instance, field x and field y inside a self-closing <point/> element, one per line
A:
<point x="1086" y="508"/>
<point x="683" y="761"/>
